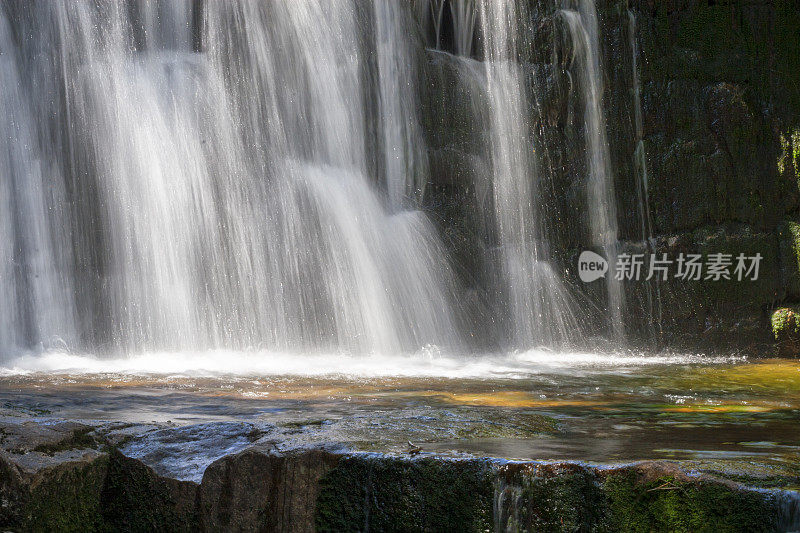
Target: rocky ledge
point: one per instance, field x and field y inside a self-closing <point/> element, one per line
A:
<point x="58" y="475"/>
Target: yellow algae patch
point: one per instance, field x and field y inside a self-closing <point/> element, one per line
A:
<point x="496" y="399"/>
<point x="779" y="375"/>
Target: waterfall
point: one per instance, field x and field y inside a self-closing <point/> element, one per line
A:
<point x="405" y="159"/>
<point x="639" y="153"/>
<point x="437" y="16"/>
<point x="538" y="303"/>
<point x="788" y="504"/>
<point x="464" y="14"/>
<point x="584" y="32"/>
<point x="640" y="165"/>
<point x="463" y="17"/>
<point x="217" y="199"/>
<point x="257" y="175"/>
<point x="36" y="296"/>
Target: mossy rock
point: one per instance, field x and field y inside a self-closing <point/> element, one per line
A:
<point x="66" y="498"/>
<point x="549" y="498"/>
<point x="99" y="492"/>
<point x="649" y="497"/>
<point x="789" y="241"/>
<point x="786" y="330"/>
<point x="674" y="503"/>
<point x="391" y="494"/>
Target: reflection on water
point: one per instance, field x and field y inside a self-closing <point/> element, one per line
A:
<point x="601" y="410"/>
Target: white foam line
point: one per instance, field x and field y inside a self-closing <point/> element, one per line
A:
<point x="428" y="364"/>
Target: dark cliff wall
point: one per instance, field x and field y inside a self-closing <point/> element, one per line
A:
<point x="720" y="130"/>
<point x="721" y="108"/>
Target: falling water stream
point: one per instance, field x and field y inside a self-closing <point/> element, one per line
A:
<point x="539" y="311"/>
<point x="223" y="198"/>
<point x="640" y="164"/>
<point x="256" y="176"/>
<point x="583" y="27"/>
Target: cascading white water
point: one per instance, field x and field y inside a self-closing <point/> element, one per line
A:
<point x="35" y="291"/>
<point x="182" y="175"/>
<point x="583" y="28"/>
<point x="404" y="155"/>
<point x="539" y="309"/>
<point x="464" y="15"/>
<point x="228" y="190"/>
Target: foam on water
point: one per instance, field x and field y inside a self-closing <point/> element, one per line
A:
<point x="427" y="363"/>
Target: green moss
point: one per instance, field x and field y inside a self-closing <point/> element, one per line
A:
<point x="785" y="323"/>
<point x="67" y="498"/>
<point x="136" y="499"/>
<point x="793" y="233"/>
<point x="668" y="504"/>
<point x="388" y="494"/>
<point x="789" y="243"/>
<point x="790" y="154"/>
<point x="569" y="499"/>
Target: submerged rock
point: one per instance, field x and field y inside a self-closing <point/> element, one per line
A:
<point x="185" y="452"/>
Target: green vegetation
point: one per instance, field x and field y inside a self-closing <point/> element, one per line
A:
<point x="668" y="504"/>
<point x="66" y="498"/>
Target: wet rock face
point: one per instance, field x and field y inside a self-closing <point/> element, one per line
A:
<point x="259" y="490"/>
<point x="382" y="493"/>
<point x="720" y="106"/>
<point x="315" y="489"/>
<point x="720" y="133"/>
